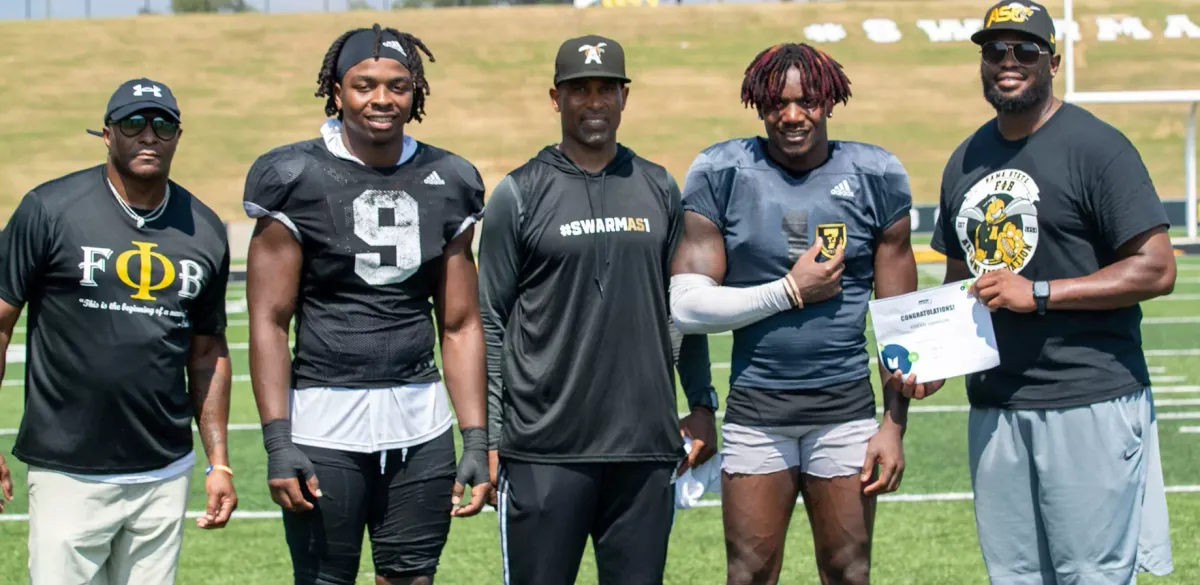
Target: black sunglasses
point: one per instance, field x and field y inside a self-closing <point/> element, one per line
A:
<point x="1026" y="53"/>
<point x="135" y="124"/>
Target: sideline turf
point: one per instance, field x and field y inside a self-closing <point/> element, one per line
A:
<point x="919" y="543"/>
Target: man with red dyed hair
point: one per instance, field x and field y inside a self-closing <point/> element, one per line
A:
<point x="785" y="236"/>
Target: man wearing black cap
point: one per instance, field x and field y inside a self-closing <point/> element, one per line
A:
<point x="574" y="264"/>
<point x="124" y="272"/>
<point x="1054" y="215"/>
<point x="357" y="231"/>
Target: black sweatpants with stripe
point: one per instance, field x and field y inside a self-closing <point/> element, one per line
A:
<point x="547" y="512"/>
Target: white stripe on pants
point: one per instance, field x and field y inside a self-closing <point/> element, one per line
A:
<point x="93" y="533"/>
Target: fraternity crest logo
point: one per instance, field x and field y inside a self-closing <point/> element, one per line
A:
<point x="592" y="53"/>
<point x="997" y="223"/>
<point x="833" y="236"/>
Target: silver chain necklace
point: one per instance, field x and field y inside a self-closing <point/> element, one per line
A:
<point x="139" y="219"/>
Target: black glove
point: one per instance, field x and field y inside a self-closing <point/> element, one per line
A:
<point x="473" y="467"/>
<point x="284" y="459"/>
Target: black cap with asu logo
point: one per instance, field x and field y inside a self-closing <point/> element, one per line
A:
<point x="1020" y="16"/>
<point x="590" y="56"/>
<point x="140" y="94"/>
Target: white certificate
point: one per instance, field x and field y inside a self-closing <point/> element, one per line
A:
<point x="936" y="333"/>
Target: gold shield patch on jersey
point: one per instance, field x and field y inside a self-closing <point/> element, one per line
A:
<point x="833" y="236"/>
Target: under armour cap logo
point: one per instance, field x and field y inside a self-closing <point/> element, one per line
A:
<point x="139" y="90"/>
<point x="592" y="53"/>
<point x="395" y="45"/>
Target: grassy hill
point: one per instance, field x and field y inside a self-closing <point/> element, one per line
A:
<point x="246" y="83"/>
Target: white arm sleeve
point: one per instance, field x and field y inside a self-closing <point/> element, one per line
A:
<point x="700" y="306"/>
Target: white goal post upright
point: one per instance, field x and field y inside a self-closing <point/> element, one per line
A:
<point x="1126" y="97"/>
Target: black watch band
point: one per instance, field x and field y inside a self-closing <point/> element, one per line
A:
<point x="1041" y="295"/>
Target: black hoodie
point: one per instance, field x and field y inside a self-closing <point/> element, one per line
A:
<point x="574" y="269"/>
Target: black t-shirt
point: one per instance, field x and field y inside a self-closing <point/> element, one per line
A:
<point x="372" y="240"/>
<point x="1057" y="204"/>
<point x="112" y="311"/>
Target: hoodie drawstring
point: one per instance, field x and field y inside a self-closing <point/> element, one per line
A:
<point x="597" y="246"/>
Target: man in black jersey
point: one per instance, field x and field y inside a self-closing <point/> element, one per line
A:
<point x="574" y="264"/>
<point x="357" y="231"/>
<point x="124" y="273"/>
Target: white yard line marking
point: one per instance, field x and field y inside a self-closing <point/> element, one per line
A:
<point x="1187" y="281"/>
<point x="1169" y="320"/>
<point x="238" y="307"/>
<point x="15" y="354"/>
<point x="1189" y="430"/>
<point x="1189" y="415"/>
<point x="234" y="427"/>
<point x="1157" y="369"/>
<point x="1178" y="402"/>
<point x="1176" y="297"/>
<point x="1170" y="352"/>
<point x="1175" y="389"/>
<point x="1166" y="379"/>
<point x="708" y="503"/>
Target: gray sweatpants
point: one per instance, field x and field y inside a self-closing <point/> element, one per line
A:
<point x="1072" y="496"/>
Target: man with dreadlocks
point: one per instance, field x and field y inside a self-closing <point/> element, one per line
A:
<point x="356" y="231"/>
<point x="784" y="239"/>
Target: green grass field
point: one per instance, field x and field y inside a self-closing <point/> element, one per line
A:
<point x="246" y="83"/>
<point x="925" y="533"/>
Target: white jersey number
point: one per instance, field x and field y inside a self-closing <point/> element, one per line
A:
<point x="404" y="236"/>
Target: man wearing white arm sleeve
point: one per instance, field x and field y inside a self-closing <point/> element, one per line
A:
<point x="786" y="239"/>
<point x="700" y="306"/>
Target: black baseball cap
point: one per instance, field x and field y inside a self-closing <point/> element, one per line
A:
<point x="140" y="94"/>
<point x="1021" y="16"/>
<point x="590" y="56"/>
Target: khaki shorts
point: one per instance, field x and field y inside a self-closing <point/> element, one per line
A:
<point x="833" y="450"/>
<point x="92" y="533"/>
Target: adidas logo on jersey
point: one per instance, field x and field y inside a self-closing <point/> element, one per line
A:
<point x="434" y="179"/>
<point x="843" y="190"/>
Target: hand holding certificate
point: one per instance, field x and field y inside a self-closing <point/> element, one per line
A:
<point x="935" y="333"/>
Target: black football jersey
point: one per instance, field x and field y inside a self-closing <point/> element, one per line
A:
<point x="372" y="241"/>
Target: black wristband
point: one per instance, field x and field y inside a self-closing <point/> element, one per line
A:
<point x="277" y="434"/>
<point x="475" y="438"/>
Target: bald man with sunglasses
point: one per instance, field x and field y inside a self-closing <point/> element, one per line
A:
<point x="1052" y="213"/>
<point x="124" y="273"/>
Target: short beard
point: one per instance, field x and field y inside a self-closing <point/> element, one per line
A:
<point x="1026" y="101"/>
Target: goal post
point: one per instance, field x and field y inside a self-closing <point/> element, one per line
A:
<point x="1189" y="96"/>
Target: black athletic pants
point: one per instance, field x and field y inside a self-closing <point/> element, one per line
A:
<point x="401" y="500"/>
<point x="547" y="512"/>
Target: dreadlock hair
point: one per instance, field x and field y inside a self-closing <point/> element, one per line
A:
<point x="822" y="76"/>
<point x="328" y="75"/>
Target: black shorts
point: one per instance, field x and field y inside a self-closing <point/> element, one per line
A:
<point x="547" y="512"/>
<point x="401" y="498"/>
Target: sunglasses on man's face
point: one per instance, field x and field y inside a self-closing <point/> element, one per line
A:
<point x="1026" y="53"/>
<point x="135" y="124"/>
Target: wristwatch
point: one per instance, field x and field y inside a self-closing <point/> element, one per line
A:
<point x="1041" y="294"/>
